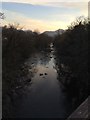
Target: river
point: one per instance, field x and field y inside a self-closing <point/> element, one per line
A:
<point x="43" y="96"/>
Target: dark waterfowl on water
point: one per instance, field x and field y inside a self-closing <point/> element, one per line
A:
<point x="41" y="74"/>
<point x="45" y="73"/>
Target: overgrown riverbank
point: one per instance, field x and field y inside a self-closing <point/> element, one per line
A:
<point x="18" y="46"/>
<point x="72" y="51"/>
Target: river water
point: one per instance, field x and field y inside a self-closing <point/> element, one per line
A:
<point x="43" y="97"/>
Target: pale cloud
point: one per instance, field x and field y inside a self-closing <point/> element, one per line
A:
<point x="81" y="5"/>
<point x="64" y="17"/>
<point x="43" y="2"/>
<point x="32" y="24"/>
<point x="0" y="6"/>
<point x="43" y="25"/>
<point x="89" y="10"/>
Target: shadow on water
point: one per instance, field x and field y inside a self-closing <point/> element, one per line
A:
<point x="72" y="84"/>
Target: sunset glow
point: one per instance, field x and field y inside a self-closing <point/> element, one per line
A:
<point x="43" y="15"/>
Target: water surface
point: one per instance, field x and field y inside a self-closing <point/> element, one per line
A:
<point x="43" y="97"/>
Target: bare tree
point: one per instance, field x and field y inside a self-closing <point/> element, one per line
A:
<point x="79" y="20"/>
<point x="15" y="26"/>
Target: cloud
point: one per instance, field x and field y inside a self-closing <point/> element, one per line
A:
<point x="55" y="21"/>
<point x="43" y="2"/>
<point x="81" y="5"/>
<point x="32" y="24"/>
<point x="89" y="10"/>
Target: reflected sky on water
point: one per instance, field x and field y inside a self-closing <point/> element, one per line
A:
<point x="44" y="97"/>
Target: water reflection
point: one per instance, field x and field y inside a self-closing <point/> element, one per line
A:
<point x="43" y="95"/>
<point x="70" y="83"/>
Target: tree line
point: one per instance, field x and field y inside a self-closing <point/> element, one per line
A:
<point x="17" y="46"/>
<point x="72" y="50"/>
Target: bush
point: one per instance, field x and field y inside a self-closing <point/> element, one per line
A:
<point x="72" y="46"/>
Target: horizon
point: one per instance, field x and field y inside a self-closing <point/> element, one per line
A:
<point x="42" y="16"/>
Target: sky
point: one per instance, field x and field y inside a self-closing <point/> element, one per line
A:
<point x="44" y="15"/>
